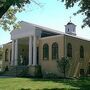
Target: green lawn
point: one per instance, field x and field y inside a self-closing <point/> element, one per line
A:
<point x="43" y="84"/>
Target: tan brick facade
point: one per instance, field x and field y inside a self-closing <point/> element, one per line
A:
<point x="76" y="63"/>
<point x="50" y="66"/>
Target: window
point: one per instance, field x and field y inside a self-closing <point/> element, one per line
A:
<point x="69" y="50"/>
<point x="6" y="55"/>
<point x="0" y="55"/>
<point x="45" y="52"/>
<point x="73" y="30"/>
<point x="55" y="51"/>
<point x="82" y="72"/>
<point x="68" y="30"/>
<point x="81" y="52"/>
<point x="88" y="70"/>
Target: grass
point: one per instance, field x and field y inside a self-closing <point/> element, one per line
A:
<point x="44" y="84"/>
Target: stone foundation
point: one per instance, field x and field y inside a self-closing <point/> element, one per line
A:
<point x="35" y="71"/>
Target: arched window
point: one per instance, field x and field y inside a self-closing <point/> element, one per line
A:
<point x="45" y="52"/>
<point x="55" y="51"/>
<point x="68" y="30"/>
<point x="69" y="50"/>
<point x="6" y="55"/>
<point x="81" y="52"/>
<point x="82" y="72"/>
<point x="88" y="70"/>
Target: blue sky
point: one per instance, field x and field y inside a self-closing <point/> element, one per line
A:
<point x="53" y="15"/>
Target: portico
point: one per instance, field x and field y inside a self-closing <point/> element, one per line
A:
<point x="24" y="50"/>
<point x="24" y="47"/>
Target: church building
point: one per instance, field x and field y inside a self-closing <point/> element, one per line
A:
<point x="35" y="50"/>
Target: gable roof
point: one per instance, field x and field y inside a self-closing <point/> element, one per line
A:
<point x="43" y="28"/>
<point x="51" y="30"/>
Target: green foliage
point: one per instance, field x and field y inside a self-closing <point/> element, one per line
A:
<point x="84" y="9"/>
<point x="38" y="72"/>
<point x="9" y="20"/>
<point x="63" y="65"/>
<point x="50" y="75"/>
<point x="8" y="10"/>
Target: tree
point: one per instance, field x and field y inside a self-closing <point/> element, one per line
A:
<point x="8" y="9"/>
<point x="9" y="19"/>
<point x="63" y="65"/>
<point x="6" y="4"/>
<point x="84" y="9"/>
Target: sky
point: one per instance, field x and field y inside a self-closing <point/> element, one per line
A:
<point x="52" y="14"/>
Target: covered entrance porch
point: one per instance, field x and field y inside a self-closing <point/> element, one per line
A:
<point x="24" y="51"/>
<point x="24" y="56"/>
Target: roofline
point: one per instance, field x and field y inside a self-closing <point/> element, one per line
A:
<point x="8" y="43"/>
<point x="78" y="37"/>
<point x="44" y="28"/>
<point x="53" y="30"/>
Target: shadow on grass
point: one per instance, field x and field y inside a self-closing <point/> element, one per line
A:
<point x="56" y="89"/>
<point x="81" y="84"/>
<point x="25" y="89"/>
<point x="51" y="89"/>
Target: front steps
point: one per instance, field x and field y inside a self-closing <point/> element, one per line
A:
<point x="16" y="71"/>
<point x="28" y="71"/>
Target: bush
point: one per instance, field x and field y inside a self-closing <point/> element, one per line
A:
<point x="50" y="75"/>
<point x="38" y="72"/>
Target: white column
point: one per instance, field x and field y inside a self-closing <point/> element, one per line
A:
<point x="30" y="50"/>
<point x="34" y="51"/>
<point x="12" y="60"/>
<point x="16" y="52"/>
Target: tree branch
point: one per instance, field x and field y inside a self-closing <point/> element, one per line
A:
<point x="4" y="8"/>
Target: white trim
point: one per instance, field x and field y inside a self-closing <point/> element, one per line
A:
<point x="34" y="51"/>
<point x="30" y="50"/>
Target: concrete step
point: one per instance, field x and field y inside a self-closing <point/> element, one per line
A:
<point x="17" y="71"/>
